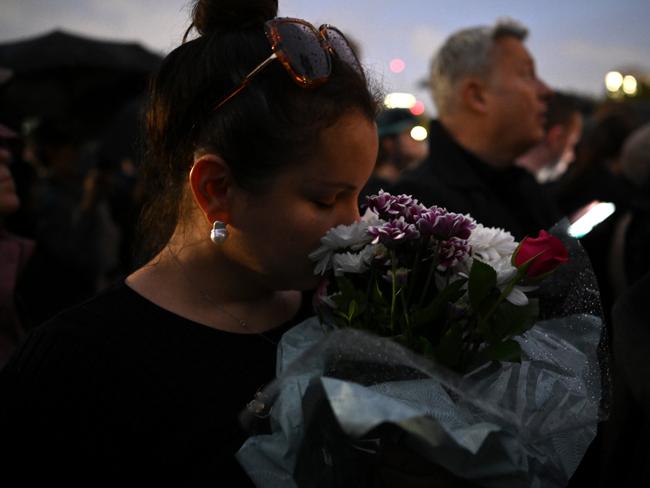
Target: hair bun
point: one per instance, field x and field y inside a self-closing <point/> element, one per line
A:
<point x="210" y="16"/>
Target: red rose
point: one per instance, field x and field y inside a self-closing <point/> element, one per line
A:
<point x="544" y="253"/>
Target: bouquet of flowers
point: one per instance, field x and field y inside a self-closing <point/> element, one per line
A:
<point x="429" y="338"/>
<point x="435" y="281"/>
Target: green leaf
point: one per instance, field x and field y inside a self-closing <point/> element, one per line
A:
<point x="509" y="350"/>
<point x="449" y="350"/>
<point x="345" y="286"/>
<point x="482" y="280"/>
<point x="352" y="310"/>
<point x="425" y="347"/>
<point x="436" y="309"/>
<point x="512" y="320"/>
<point x="377" y="295"/>
<point x="341" y="301"/>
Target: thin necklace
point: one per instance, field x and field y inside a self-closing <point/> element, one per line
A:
<point x="242" y="323"/>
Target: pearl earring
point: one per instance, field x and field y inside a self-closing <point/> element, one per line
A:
<point x="219" y="233"/>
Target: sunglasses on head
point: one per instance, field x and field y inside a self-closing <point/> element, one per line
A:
<point x="304" y="51"/>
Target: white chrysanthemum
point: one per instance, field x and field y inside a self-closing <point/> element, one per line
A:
<point x="353" y="262"/>
<point x="494" y="247"/>
<point x="353" y="237"/>
<point x="491" y="244"/>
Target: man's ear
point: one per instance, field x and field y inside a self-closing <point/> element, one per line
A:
<point x="556" y="137"/>
<point x="473" y="93"/>
<point x="212" y="184"/>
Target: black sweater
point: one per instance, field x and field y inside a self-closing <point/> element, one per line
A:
<point x="119" y="389"/>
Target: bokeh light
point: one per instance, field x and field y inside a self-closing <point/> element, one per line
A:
<point x="419" y="133"/>
<point x="418" y="108"/>
<point x="613" y="81"/>
<point x="399" y="100"/>
<point x="629" y="85"/>
<point x="397" y="65"/>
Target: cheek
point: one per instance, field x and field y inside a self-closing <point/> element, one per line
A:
<point x="285" y="235"/>
<point x="301" y="234"/>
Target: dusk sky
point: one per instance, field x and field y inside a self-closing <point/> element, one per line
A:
<point x="574" y="42"/>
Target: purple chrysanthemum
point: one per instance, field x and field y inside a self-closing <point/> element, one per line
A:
<point x="413" y="212"/>
<point x="452" y="251"/>
<point x="380" y="204"/>
<point x="389" y="207"/>
<point x="444" y="225"/>
<point x="393" y="232"/>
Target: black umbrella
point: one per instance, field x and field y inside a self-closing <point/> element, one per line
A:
<point x="62" y="75"/>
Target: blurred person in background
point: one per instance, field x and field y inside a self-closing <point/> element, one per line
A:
<point x="595" y="173"/>
<point x="595" y="177"/>
<point x="625" y="457"/>
<point x="629" y="258"/>
<point x="398" y="149"/>
<point x="549" y="159"/>
<point x="14" y="253"/>
<point x="77" y="241"/>
<point x="119" y="159"/>
<point x="491" y="110"/>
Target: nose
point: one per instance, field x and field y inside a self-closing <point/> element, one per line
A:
<point x="350" y="212"/>
<point x="543" y="90"/>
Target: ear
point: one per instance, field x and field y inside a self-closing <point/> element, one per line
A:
<point x="474" y="96"/>
<point x="556" y="137"/>
<point x="212" y="185"/>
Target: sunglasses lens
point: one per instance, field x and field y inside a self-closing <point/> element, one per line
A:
<point x="342" y="48"/>
<point x="302" y="48"/>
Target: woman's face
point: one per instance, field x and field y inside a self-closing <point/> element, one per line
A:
<point x="273" y="232"/>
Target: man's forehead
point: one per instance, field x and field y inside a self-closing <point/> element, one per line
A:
<point x="512" y="49"/>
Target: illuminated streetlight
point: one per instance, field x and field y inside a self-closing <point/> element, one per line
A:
<point x="419" y="133"/>
<point x="399" y="100"/>
<point x="629" y="85"/>
<point x="613" y="81"/>
<point x="397" y="65"/>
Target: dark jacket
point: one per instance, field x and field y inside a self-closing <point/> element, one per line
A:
<point x="626" y="436"/>
<point x="454" y="178"/>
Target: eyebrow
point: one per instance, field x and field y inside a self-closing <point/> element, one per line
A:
<point x="333" y="184"/>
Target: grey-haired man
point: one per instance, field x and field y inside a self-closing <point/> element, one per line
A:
<point x="491" y="109"/>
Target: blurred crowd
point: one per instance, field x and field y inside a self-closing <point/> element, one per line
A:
<point x="505" y="147"/>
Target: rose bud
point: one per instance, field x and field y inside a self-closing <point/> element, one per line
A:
<point x="542" y="254"/>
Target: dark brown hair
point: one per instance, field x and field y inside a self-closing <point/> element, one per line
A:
<point x="271" y="124"/>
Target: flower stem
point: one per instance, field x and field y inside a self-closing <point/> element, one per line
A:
<point x="393" y="261"/>
<point x="432" y="269"/>
<point x="407" y="323"/>
<point x="504" y="294"/>
<point x="413" y="278"/>
<point x="369" y="290"/>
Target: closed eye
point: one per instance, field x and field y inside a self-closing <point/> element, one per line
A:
<point x="324" y="205"/>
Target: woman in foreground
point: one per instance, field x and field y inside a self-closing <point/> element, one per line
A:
<point x="260" y="138"/>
